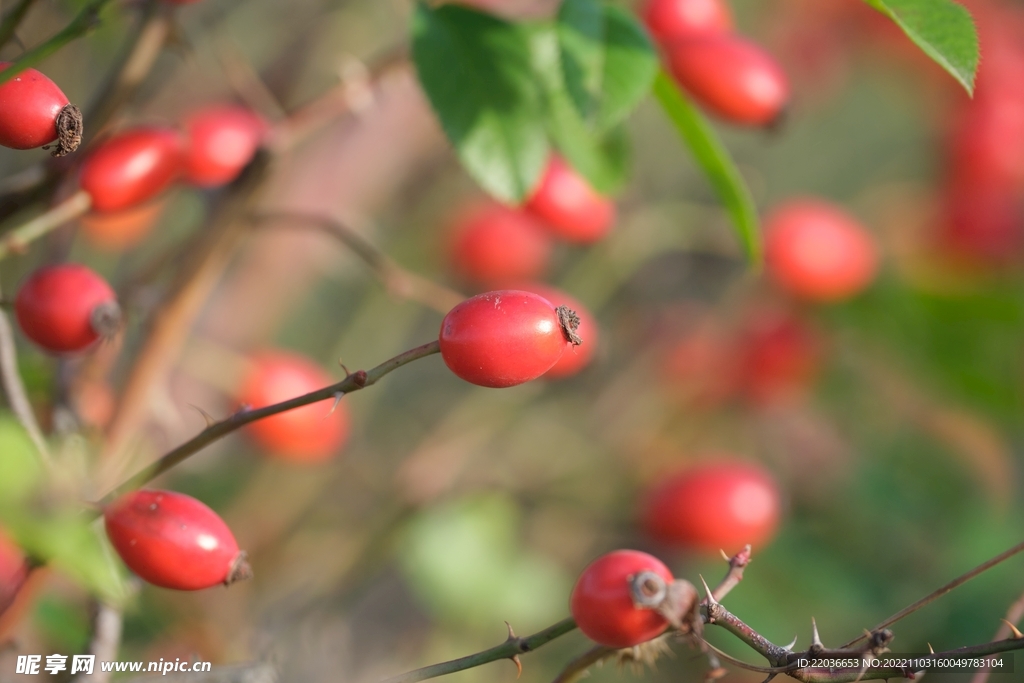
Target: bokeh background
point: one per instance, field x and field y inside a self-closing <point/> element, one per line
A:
<point x="892" y="422"/>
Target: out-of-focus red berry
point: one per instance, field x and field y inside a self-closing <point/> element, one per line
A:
<point x="731" y="76"/>
<point x="116" y="231"/>
<point x="780" y="356"/>
<point x="131" y="167"/>
<point x="816" y="251"/>
<point x="66" y="308"/>
<point x="670" y="20"/>
<point x="569" y="206"/>
<point x="495" y="246"/>
<point x="219" y="141"/>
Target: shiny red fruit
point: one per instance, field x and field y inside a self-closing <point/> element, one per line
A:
<point x="311" y="433"/>
<point x="29" y="104"/>
<point x="713" y="506"/>
<point x="602" y="602"/>
<point x="174" y="541"/>
<point x="575" y="358"/>
<point x="569" y="206"/>
<point x="13" y="569"/>
<point x="66" y="308"/>
<point x="495" y="246"/>
<point x="131" y="167"/>
<point x="816" y="251"/>
<point x="670" y="20"/>
<point x="219" y="142"/>
<point x="502" y="338"/>
<point x="731" y="76"/>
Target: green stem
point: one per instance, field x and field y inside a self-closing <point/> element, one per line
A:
<point x="19" y="238"/>
<point x="510" y="649"/>
<point x="79" y="26"/>
<point x="12" y="19"/>
<point x="354" y="382"/>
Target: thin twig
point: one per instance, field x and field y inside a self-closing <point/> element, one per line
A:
<point x="134" y="65"/>
<point x="106" y="641"/>
<point x="354" y="382"/>
<point x="962" y="579"/>
<point x="18" y="239"/>
<point x="14" y="389"/>
<point x="12" y="19"/>
<point x="577" y="668"/>
<point x="395" y="279"/>
<point x="83" y="22"/>
<point x="510" y="649"/>
<point x="1013" y="616"/>
<point x="737" y="563"/>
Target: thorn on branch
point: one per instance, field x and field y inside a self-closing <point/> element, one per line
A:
<point x="789" y="648"/>
<point x="1013" y="629"/>
<point x="206" y="416"/>
<point x="816" y="644"/>
<point x="337" y="399"/>
<point x="709" y="597"/>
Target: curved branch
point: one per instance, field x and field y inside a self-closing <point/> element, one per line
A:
<point x="354" y="382"/>
<point x="394" y="277"/>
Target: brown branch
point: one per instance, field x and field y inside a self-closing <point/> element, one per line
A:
<point x="577" y="668"/>
<point x="354" y="382"/>
<point x="106" y="641"/>
<point x="395" y="279"/>
<point x="737" y="563"/>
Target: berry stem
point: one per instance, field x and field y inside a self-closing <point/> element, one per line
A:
<point x="354" y="382"/>
<point x="12" y="19"/>
<point x="17" y="239"/>
<point x="394" y="277"/>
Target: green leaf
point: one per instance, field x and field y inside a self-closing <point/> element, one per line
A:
<point x="20" y="474"/>
<point x="476" y="71"/>
<point x="943" y="29"/>
<point x="607" y="61"/>
<point x="601" y="158"/>
<point x="716" y="163"/>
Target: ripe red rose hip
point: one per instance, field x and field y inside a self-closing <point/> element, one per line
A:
<point x="174" y="541"/>
<point x="494" y="246"/>
<point x="816" y="251"/>
<point x="731" y="76"/>
<point x="504" y="338"/>
<point x="219" y="142"/>
<point x="602" y="600"/>
<point x="569" y="206"/>
<point x="131" y="167"/>
<point x="780" y="356"/>
<point x="713" y="506"/>
<point x="66" y="308"/>
<point x="311" y="433"/>
<point x="578" y="357"/>
<point x="670" y="20"/>
<point x="35" y="112"/>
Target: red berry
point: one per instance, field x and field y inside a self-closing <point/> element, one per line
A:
<point x="816" y="251"/>
<point x="701" y="368"/>
<point x="131" y="167"/>
<point x="575" y="358"/>
<point x="569" y="206"/>
<point x="669" y="20"/>
<point x="66" y="308"/>
<point x="495" y="246"/>
<point x="219" y="142"/>
<point x="780" y="356"/>
<point x="29" y="105"/>
<point x="116" y="231"/>
<point x="503" y="338"/>
<point x="731" y="76"/>
<point x="13" y="569"/>
<point x="602" y="601"/>
<point x="713" y="506"/>
<point x="174" y="541"/>
<point x="311" y="433"/>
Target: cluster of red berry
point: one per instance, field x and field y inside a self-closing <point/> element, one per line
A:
<point x="730" y="75"/>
